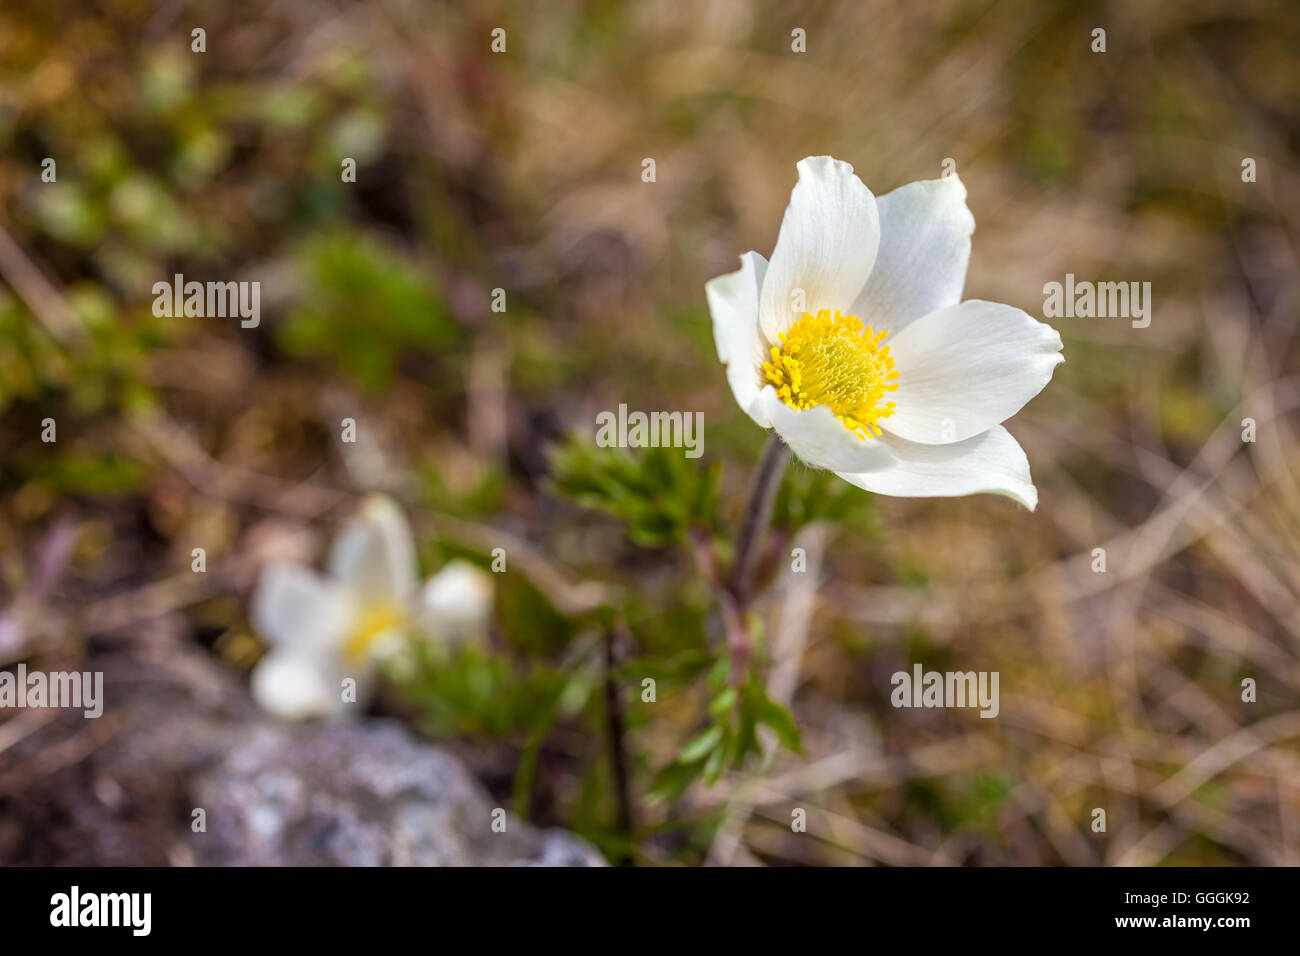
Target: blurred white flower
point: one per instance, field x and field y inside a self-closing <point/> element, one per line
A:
<point x="324" y="628"/>
<point x="803" y="339"/>
<point x="455" y="602"/>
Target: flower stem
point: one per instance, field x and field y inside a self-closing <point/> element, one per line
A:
<point x="762" y="495"/>
<point x="735" y="599"/>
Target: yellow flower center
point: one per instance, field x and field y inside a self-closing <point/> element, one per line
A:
<point x="835" y="361"/>
<point x="374" y="623"/>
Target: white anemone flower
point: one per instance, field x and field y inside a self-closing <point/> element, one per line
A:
<point x="325" y="628"/>
<point x="803" y="338"/>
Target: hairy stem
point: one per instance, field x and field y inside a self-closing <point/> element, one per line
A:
<point x="762" y="494"/>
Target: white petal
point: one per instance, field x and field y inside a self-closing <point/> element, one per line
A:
<point x="457" y="601"/>
<point x="295" y="686"/>
<point x="374" y="554"/>
<point x="925" y="230"/>
<point x="966" y="368"/>
<point x="991" y="462"/>
<point x="826" y="246"/>
<point x="299" y="610"/>
<point x="733" y="303"/>
<point x="821" y="440"/>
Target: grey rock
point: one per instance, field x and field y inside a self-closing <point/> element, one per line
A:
<point x="181" y="734"/>
<point x="360" y="794"/>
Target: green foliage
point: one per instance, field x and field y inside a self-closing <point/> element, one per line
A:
<point x="362" y="306"/>
<point x="480" y="500"/>
<point x="675" y="669"/>
<point x="971" y="804"/>
<point x="102" y="373"/>
<point x="658" y="493"/>
<point x="669" y="625"/>
<point x="472" y="692"/>
<point x="529" y="618"/>
<point x="663" y="499"/>
<point x="983" y="799"/>
<point x="736" y="712"/>
<point x="104" y="475"/>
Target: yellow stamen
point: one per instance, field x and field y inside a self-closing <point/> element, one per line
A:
<point x="834" y="361"/>
<point x="375" y="621"/>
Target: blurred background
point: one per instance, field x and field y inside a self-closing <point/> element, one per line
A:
<point x="522" y="171"/>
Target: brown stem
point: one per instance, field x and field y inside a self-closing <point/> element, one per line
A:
<point x="762" y="494"/>
<point x="735" y="600"/>
<point x="617" y="728"/>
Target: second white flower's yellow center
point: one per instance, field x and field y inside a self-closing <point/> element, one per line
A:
<point x="375" y="621"/>
<point x="835" y="361"/>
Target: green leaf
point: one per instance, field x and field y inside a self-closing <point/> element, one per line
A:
<point x="717" y="762"/>
<point x="658" y="493"/>
<point x="672" y="781"/>
<point x="723" y="702"/>
<point x="698" y="748"/>
<point x="782" y="723"/>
